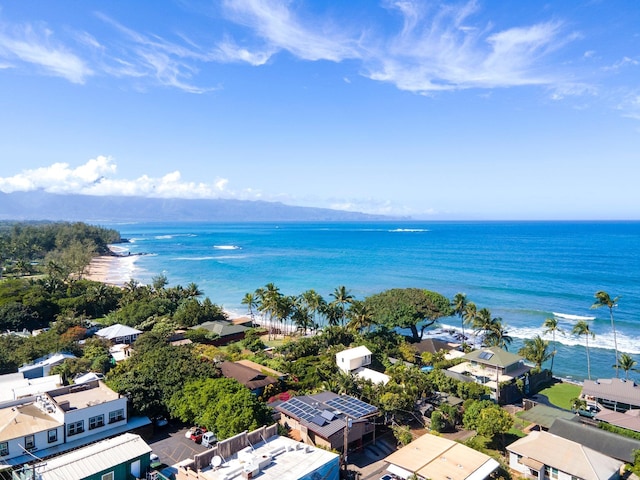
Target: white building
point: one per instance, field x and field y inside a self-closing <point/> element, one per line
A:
<point x="63" y="419"/>
<point x="355" y="360"/>
<point x="14" y="386"/>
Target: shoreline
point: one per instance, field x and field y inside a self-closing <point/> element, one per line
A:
<point x="114" y="269"/>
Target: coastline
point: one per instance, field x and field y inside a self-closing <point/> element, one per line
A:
<point x="111" y="269"/>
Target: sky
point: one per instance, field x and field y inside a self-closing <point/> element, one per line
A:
<point x="433" y="110"/>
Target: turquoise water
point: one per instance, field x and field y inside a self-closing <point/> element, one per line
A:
<point x="521" y="271"/>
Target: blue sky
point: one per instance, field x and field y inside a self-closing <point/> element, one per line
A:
<point x="435" y="110"/>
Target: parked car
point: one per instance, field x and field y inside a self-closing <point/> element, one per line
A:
<point x="209" y="439"/>
<point x="196" y="435"/>
<point x="160" y="422"/>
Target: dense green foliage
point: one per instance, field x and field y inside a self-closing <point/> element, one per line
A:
<point x="411" y="308"/>
<point x="57" y="249"/>
<point x="219" y="404"/>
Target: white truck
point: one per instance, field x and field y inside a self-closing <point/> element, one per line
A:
<point x="209" y="439"/>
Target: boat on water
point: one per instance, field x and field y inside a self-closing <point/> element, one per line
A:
<point x="567" y="316"/>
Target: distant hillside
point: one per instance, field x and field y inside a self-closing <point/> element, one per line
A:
<point x="40" y="205"/>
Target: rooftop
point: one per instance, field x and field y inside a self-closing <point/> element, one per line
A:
<point x="325" y="413"/>
<point x="614" y="389"/>
<point x="85" y="395"/>
<point x="274" y="459"/>
<point x="93" y="459"/>
<point x="439" y="458"/>
<point x="493" y="356"/>
<point x="23" y="420"/>
<point x="568" y="456"/>
<point x="355" y="352"/>
<point x="117" y="330"/>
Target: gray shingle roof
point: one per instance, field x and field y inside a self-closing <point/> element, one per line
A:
<point x="615" y="389"/>
<point x="608" y="443"/>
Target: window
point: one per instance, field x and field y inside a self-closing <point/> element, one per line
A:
<point x="108" y="476"/>
<point x="96" y="422"/>
<point x="29" y="442"/>
<point x="551" y="472"/>
<point x="116" y="416"/>
<point x="4" y="449"/>
<point x="52" y="435"/>
<point x="75" y="427"/>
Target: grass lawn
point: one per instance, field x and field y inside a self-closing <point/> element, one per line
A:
<point x="561" y="394"/>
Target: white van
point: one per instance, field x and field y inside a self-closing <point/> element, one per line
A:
<point x="209" y="439"/>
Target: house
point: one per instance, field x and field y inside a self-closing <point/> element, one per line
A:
<point x="43" y="365"/>
<point x="353" y="358"/>
<point x="354" y="361"/>
<point x="14" y="386"/>
<point x="615" y="394"/>
<point x="122" y="457"/>
<point x="269" y="371"/>
<point x="321" y="420"/>
<point x="542" y="455"/>
<point x="227" y="332"/>
<point x="438" y="458"/>
<point x="254" y="380"/>
<point x="611" y="444"/>
<point x="492" y="367"/>
<point x="62" y="419"/>
<point x="264" y="454"/>
<point x="119" y="333"/>
<point x="433" y="345"/>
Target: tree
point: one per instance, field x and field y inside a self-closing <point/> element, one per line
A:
<point x="536" y="350"/>
<point x="551" y="325"/>
<point x="469" y="314"/>
<point x="412" y="308"/>
<point x="582" y="328"/>
<point x="459" y="305"/>
<point x="250" y="301"/>
<point x="493" y="331"/>
<point x="342" y="297"/>
<point x="360" y="316"/>
<point x="492" y="421"/>
<point x="627" y="363"/>
<point x="604" y="300"/>
<point x="221" y="405"/>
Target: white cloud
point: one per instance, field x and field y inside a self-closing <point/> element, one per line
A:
<point x="35" y="45"/>
<point x="95" y="177"/>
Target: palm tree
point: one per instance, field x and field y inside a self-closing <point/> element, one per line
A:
<point x="342" y="297"/>
<point x="627" y="363"/>
<point x="551" y="326"/>
<point x="360" y="316"/>
<point x="582" y="328"/>
<point x="314" y="303"/>
<point x="459" y="305"/>
<point x="604" y="300"/>
<point x="251" y="302"/>
<point x="536" y="350"/>
<point x="469" y="314"/>
<point x="497" y="336"/>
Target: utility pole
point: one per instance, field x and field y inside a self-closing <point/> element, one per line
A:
<point x="345" y="447"/>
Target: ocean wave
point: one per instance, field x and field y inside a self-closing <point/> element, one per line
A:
<point x="227" y="247"/>
<point x="409" y="230"/>
<point x="602" y="341"/>
<point x="195" y="259"/>
<point x="163" y="237"/>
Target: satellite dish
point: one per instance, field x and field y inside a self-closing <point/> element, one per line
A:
<point x="216" y="461"/>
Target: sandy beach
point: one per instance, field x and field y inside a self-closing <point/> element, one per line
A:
<point x="112" y="269"/>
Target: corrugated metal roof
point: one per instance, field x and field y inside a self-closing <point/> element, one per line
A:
<point x="94" y="458"/>
<point x="500" y="357"/>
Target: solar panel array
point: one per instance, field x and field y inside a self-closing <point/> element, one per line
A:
<point x="352" y="406"/>
<point x="486" y="355"/>
<point x="300" y="409"/>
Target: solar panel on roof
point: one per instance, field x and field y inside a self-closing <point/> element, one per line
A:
<point x="352" y="406"/>
<point x="485" y="355"/>
<point x="319" y="420"/>
<point x="328" y="415"/>
<point x="300" y="409"/>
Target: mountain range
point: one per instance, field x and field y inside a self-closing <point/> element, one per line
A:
<point x="40" y="205"/>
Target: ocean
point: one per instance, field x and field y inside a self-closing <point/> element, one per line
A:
<point x="521" y="271"/>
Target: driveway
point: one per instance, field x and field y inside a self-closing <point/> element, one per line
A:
<point x="171" y="446"/>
